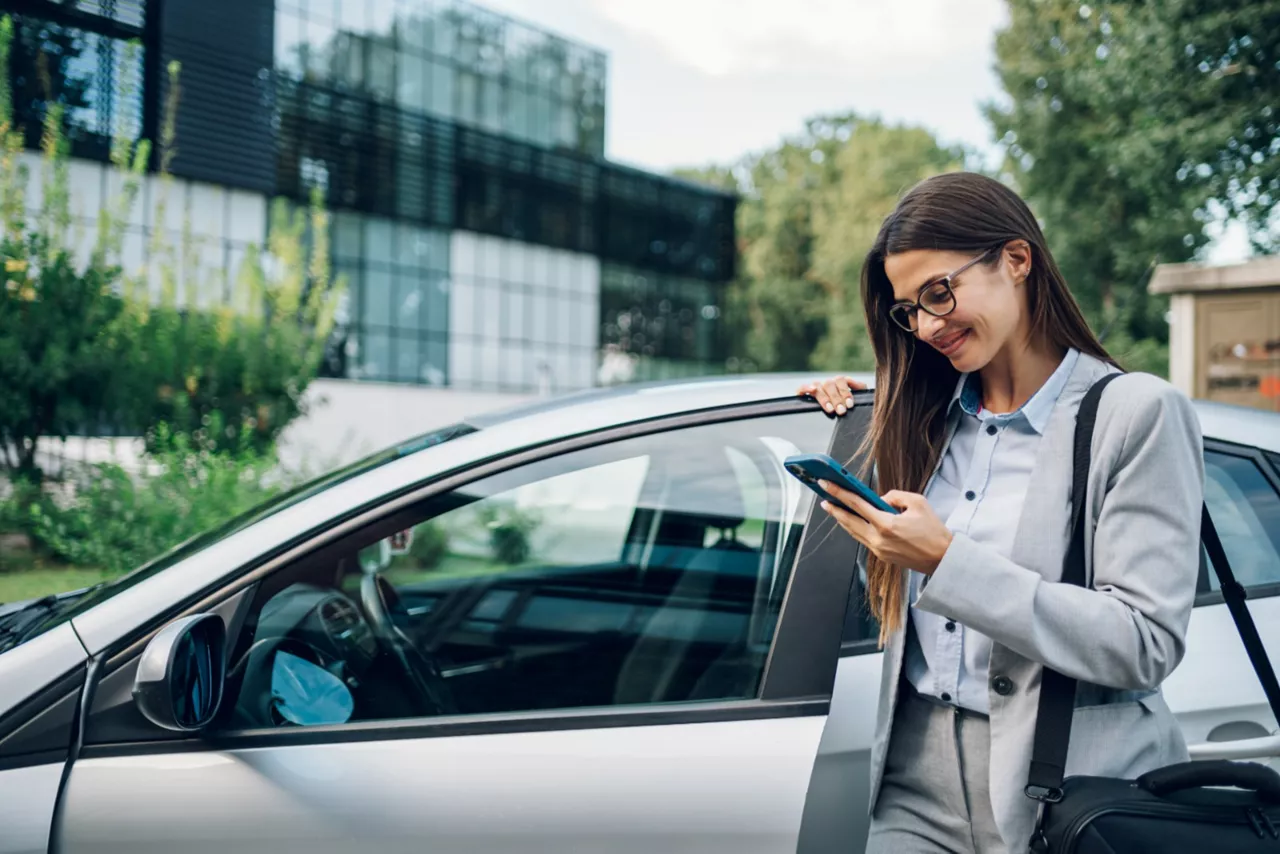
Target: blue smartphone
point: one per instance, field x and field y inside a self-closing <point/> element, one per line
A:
<point x="811" y="468"/>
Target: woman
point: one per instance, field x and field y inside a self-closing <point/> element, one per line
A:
<point x="982" y="358"/>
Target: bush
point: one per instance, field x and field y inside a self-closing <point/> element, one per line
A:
<point x="430" y="545"/>
<point x="509" y="531"/>
<point x="87" y="344"/>
<point x="114" y="520"/>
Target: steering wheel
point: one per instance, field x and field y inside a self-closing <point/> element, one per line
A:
<point x="381" y="602"/>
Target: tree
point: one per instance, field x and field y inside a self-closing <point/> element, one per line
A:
<point x="60" y="322"/>
<point x="1124" y="121"/>
<point x="811" y="209"/>
<point x="83" y="341"/>
<point x="1204" y="78"/>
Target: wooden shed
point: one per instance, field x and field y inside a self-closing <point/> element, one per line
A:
<point x="1224" y="330"/>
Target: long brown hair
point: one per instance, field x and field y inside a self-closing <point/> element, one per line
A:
<point x="961" y="212"/>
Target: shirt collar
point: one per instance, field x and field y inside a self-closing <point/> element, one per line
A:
<point x="968" y="394"/>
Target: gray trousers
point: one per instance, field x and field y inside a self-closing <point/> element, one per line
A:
<point x="935" y="796"/>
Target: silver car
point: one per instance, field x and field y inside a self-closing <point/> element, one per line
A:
<point x="607" y="622"/>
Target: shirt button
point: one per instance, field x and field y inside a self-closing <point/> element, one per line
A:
<point x="991" y="430"/>
<point x="970" y="495"/>
<point x="951" y="626"/>
<point x="946" y="698"/>
<point x="1002" y="685"/>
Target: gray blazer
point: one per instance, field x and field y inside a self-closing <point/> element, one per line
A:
<point x="1121" y="636"/>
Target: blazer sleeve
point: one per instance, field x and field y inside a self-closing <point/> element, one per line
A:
<point x="1128" y="630"/>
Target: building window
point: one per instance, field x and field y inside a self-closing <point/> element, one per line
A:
<point x="453" y="61"/>
<point x="523" y="318"/>
<point x="395" y="326"/>
<point x="655" y="326"/>
<point x="96" y="79"/>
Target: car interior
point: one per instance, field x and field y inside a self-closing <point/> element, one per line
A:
<point x="674" y="600"/>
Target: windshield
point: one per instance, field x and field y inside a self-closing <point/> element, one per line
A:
<point x="22" y="621"/>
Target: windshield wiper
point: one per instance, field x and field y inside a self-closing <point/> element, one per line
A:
<point x="21" y="623"/>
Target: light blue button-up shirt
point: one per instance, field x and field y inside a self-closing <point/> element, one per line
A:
<point x="978" y="491"/>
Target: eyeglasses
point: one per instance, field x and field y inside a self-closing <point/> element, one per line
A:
<point x="937" y="297"/>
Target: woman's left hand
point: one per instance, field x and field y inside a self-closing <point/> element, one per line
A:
<point x="915" y="538"/>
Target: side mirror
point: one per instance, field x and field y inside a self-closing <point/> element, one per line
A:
<point x="178" y="685"/>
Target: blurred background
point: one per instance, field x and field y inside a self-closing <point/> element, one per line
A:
<point x="246" y="242"/>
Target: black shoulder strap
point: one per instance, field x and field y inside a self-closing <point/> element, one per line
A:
<point x="1234" y="594"/>
<point x="1057" y="692"/>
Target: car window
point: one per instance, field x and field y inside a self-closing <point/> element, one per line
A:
<point x="1245" y="508"/>
<point x="645" y="570"/>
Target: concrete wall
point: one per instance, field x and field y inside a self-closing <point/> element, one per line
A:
<point x="349" y="419"/>
<point x="521" y="316"/>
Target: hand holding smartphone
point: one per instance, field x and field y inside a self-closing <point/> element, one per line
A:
<point x="811" y="468"/>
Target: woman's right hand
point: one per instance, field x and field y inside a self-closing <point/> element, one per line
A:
<point x="834" y="395"/>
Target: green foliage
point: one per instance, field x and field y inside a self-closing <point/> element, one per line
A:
<point x="1125" y="121"/>
<point x="430" y="545"/>
<point x="60" y="322"/>
<point x="810" y="211"/>
<point x="83" y="341"/>
<point x="1201" y="79"/>
<point x="250" y="361"/>
<point x="510" y="528"/>
<point x="114" y="520"/>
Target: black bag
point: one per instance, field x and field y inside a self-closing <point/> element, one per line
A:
<point x="1179" y="808"/>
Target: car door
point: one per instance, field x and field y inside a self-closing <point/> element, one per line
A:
<point x="625" y="643"/>
<point x="1214" y="692"/>
<point x="836" y="814"/>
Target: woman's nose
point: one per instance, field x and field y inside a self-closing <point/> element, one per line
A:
<point x="927" y="325"/>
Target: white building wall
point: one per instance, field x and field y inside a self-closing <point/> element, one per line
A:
<point x="349" y="419"/>
<point x="521" y="317"/>
<point x="219" y="224"/>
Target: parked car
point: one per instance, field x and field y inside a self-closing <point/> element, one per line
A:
<point x="605" y="622"/>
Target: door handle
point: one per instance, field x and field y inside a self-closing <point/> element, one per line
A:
<point x="1245" y="748"/>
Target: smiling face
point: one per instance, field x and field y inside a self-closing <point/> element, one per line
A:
<point x="990" y="314"/>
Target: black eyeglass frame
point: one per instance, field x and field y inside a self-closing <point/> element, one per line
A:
<point x="916" y="306"/>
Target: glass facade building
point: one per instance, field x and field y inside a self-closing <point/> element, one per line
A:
<point x="485" y="240"/>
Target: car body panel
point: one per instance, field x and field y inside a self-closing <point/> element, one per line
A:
<point x="27" y="799"/>
<point x="36" y="664"/>
<point x="1215" y="684"/>
<point x="737" y="785"/>
<point x="714" y="787"/>
<point x="836" y="813"/>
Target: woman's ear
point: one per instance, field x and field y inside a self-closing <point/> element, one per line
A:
<point x="1017" y="257"/>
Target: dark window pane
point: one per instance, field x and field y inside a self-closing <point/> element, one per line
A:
<point x="1246" y="512"/>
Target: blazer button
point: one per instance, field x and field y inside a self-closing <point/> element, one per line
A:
<point x="1002" y="685"/>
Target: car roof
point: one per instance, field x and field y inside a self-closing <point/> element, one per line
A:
<point x="614" y="406"/>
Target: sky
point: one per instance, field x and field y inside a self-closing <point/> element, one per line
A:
<point x="695" y="82"/>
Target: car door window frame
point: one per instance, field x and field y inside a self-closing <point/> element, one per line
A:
<point x="797" y="678"/>
<point x="1272" y="477"/>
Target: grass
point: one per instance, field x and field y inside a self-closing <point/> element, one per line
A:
<point x="41" y="579"/>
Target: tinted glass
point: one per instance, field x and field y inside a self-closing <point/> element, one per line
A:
<point x="1246" y="511"/>
<point x="648" y="570"/>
